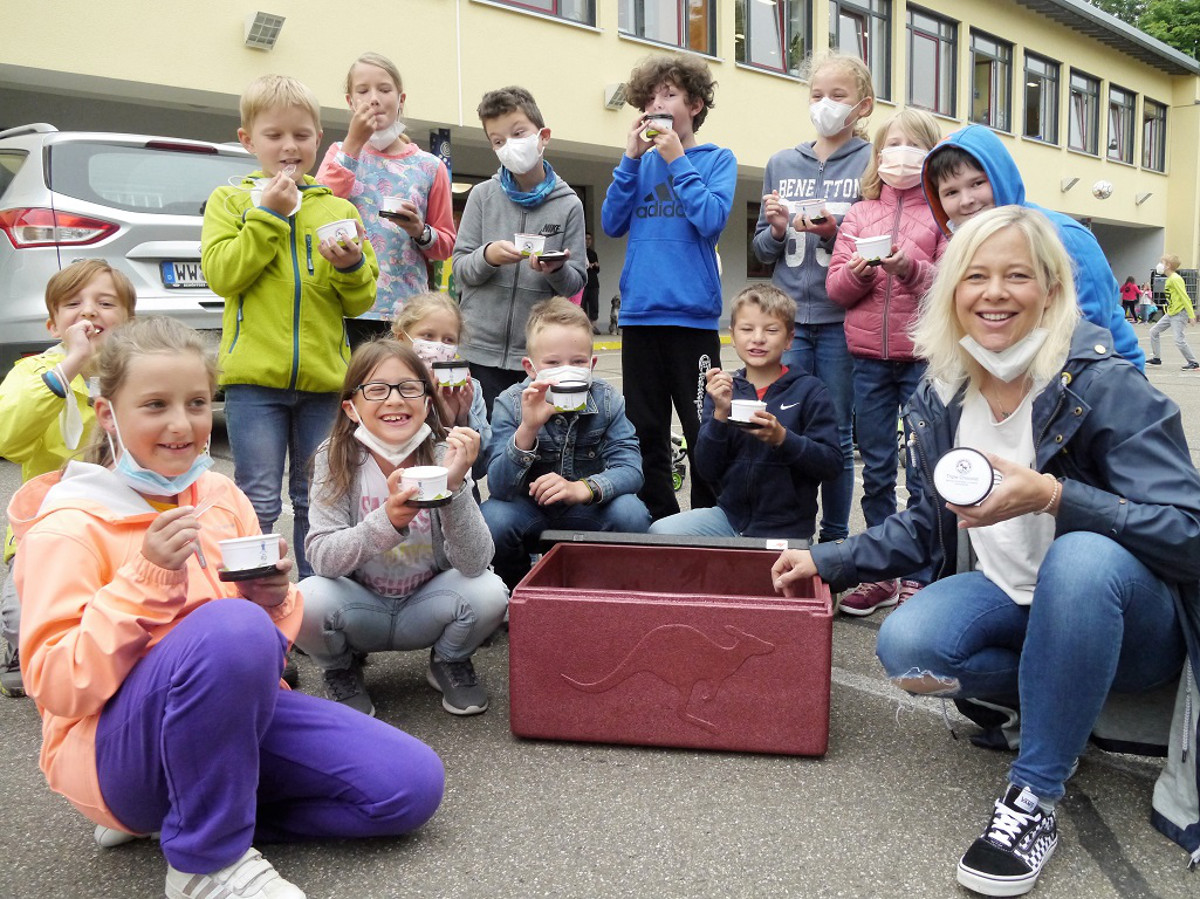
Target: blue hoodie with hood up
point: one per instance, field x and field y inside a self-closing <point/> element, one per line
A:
<point x="1095" y="285"/>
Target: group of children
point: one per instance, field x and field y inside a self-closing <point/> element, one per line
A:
<point x="327" y="356"/>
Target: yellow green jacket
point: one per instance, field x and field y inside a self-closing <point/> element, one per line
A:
<point x="1177" y="296"/>
<point x="30" y="434"/>
<point x="284" y="302"/>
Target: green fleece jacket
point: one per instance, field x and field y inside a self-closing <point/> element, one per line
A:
<point x="284" y="302"/>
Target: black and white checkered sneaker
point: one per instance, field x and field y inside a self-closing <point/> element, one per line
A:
<point x="1017" y="843"/>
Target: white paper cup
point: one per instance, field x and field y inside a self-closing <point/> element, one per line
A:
<point x="528" y="244"/>
<point x="393" y="204"/>
<point x="874" y="248"/>
<point x="256" y="193"/>
<point x="743" y="410"/>
<point x="345" y="230"/>
<point x="430" y="481"/>
<point x="451" y="374"/>
<point x="570" y="396"/>
<point x="965" y="477"/>
<point x="242" y="553"/>
<point x="658" y="122"/>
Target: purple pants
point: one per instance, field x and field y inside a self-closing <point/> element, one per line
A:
<point x="202" y="744"/>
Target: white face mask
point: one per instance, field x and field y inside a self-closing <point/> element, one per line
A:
<point x="566" y="374"/>
<point x="395" y="453"/>
<point x="432" y="351"/>
<point x="829" y="116"/>
<point x="385" y="137"/>
<point x="900" y="167"/>
<point x="1008" y="364"/>
<point x="520" y="154"/>
<point x="1161" y="269"/>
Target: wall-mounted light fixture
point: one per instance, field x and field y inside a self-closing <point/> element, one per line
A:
<point x="614" y="95"/>
<point x="1142" y="198"/>
<point x="1068" y="183"/>
<point x="262" y="30"/>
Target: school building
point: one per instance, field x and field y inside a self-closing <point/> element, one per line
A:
<point x="1103" y="120"/>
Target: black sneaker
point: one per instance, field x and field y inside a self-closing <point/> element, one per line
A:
<point x="1154" y="361"/>
<point x="1019" y="840"/>
<point x="462" y="694"/>
<point x="346" y="685"/>
<point x="1191" y="366"/>
<point x="11" y="683"/>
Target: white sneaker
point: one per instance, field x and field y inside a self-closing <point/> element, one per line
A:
<point x="250" y="877"/>
<point x="110" y="837"/>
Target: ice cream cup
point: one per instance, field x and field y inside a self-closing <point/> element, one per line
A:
<point x="965" y="477"/>
<point x="345" y="230"/>
<point x="430" y="481"/>
<point x="453" y="373"/>
<point x="569" y="396"/>
<point x="529" y="244"/>
<point x="392" y="204"/>
<point x="743" y="410"/>
<point x="657" y="122"/>
<point x="243" y="553"/>
<point x="873" y="249"/>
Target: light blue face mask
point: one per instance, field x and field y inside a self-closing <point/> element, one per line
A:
<point x="151" y="483"/>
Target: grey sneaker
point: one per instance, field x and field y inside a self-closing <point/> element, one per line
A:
<point x="250" y="877"/>
<point x="346" y="685"/>
<point x="462" y="694"/>
<point x="11" y="683"/>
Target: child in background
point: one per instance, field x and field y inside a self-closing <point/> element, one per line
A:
<point x="157" y="681"/>
<point x="498" y="286"/>
<point x="800" y="245"/>
<point x="554" y="469"/>
<point x="431" y="323"/>
<point x="45" y="406"/>
<point x="377" y="160"/>
<point x="972" y="171"/>
<point x="673" y="196"/>
<point x="766" y="477"/>
<point x="1131" y="297"/>
<point x="881" y="305"/>
<point x="391" y="575"/>
<point x="1179" y="312"/>
<point x="1146" y="304"/>
<point x="283" y="344"/>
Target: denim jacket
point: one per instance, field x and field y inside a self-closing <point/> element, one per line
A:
<point x="597" y="443"/>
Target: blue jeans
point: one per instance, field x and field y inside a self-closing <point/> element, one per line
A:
<point x="820" y="350"/>
<point x="266" y="427"/>
<point x="1110" y="625"/>
<point x="451" y="612"/>
<point x="710" y="522"/>
<point x="881" y="388"/>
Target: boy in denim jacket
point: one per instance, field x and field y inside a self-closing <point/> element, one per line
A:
<point x="550" y="468"/>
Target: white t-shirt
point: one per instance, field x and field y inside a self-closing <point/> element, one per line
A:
<point x="406" y="566"/>
<point x="1009" y="552"/>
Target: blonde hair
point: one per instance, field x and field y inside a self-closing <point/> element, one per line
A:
<point x="142" y="337"/>
<point x="852" y="66"/>
<point x="277" y="92"/>
<point x="379" y="61"/>
<point x="770" y="299"/>
<point x="917" y="125"/>
<point x="66" y="283"/>
<point x="937" y="331"/>
<point x="555" y="311"/>
<point x="417" y="307"/>
<point x="1171" y="261"/>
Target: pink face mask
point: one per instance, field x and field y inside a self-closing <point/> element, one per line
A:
<point x="901" y="166"/>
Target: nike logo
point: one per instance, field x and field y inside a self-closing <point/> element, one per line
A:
<point x="788" y="406"/>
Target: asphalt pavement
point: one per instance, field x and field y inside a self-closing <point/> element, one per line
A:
<point x="885" y="813"/>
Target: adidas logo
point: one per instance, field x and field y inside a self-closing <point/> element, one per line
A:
<point x="660" y="203"/>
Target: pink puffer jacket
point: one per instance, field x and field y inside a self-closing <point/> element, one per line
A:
<point x="881" y="308"/>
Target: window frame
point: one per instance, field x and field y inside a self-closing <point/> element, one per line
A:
<point x="682" y="24"/>
<point x="1124" y="143"/>
<point x="784" y="19"/>
<point x="997" y="60"/>
<point x="1159" y="147"/>
<point x="531" y="6"/>
<point x="1092" y="146"/>
<point x="873" y="14"/>
<point x="913" y="31"/>
<point x="1051" y="86"/>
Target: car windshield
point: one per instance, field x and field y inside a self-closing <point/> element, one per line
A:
<point x="141" y="179"/>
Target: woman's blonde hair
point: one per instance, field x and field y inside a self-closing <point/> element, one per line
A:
<point x="855" y="68"/>
<point x="417" y="307"/>
<point x="141" y="337"/>
<point x="917" y="125"/>
<point x="937" y="331"/>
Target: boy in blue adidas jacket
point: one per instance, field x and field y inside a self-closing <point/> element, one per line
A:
<point x="673" y="197"/>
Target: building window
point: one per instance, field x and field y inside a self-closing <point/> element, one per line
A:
<point x="1154" y="136"/>
<point x="1041" y="98"/>
<point x="932" y="61"/>
<point x="687" y="24"/>
<point x="1085" y="113"/>
<point x="581" y="11"/>
<point x="991" y="81"/>
<point x="772" y="34"/>
<point x="1121" y="106"/>
<point x="862" y="28"/>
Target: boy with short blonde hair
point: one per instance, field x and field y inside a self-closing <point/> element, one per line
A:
<point x="1179" y="314"/>
<point x="578" y="469"/>
<point x="767" y="472"/>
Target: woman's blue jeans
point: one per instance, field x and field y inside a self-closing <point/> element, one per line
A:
<point x="1100" y="622"/>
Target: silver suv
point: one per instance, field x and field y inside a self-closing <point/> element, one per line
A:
<point x="133" y="200"/>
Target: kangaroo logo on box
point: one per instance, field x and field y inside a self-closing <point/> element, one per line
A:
<point x="686" y="659"/>
<point x="660" y="203"/>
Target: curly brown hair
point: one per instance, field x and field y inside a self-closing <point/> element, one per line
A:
<point x="688" y="73"/>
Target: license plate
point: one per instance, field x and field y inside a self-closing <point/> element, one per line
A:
<point x="183" y="274"/>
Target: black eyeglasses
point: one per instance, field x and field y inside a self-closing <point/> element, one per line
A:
<point x="378" y="391"/>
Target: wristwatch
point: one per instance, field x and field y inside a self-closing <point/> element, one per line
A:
<point x="426" y="237"/>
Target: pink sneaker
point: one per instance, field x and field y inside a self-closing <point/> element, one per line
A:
<point x="907" y="590"/>
<point x="866" y="598"/>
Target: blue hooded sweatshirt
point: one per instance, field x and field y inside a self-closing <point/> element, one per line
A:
<point x="1095" y="285"/>
<point x="673" y="214"/>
